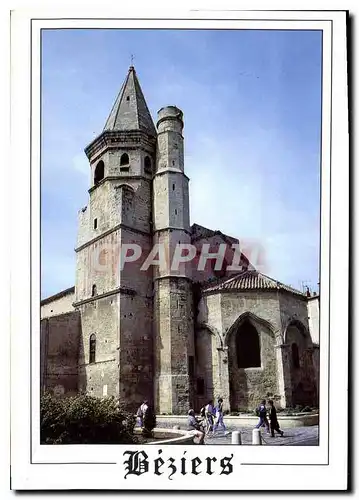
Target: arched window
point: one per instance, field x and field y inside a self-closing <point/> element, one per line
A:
<point x="124" y="160"/>
<point x="94" y="290"/>
<point x="247" y="346"/>
<point x="295" y="356"/>
<point x="148" y="165"/>
<point x="99" y="172"/>
<point x="92" y="348"/>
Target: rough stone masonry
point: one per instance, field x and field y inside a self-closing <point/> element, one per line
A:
<point x="175" y="337"/>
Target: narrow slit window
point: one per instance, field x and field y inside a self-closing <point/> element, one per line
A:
<point x="94" y="290"/>
<point x="95" y="224"/>
<point x="92" y="357"/>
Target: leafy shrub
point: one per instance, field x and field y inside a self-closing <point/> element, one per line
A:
<point x="84" y="420"/>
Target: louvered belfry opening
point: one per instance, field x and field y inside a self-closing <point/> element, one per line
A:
<point x="99" y="172"/>
<point x="248" y="346"/>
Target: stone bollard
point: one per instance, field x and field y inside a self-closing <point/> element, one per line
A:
<point x="236" y="437"/>
<point x="256" y="436"/>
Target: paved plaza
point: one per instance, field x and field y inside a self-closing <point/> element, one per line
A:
<point x="296" y="436"/>
<point x="293" y="436"/>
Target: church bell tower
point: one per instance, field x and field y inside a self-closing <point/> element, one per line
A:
<point x="116" y="353"/>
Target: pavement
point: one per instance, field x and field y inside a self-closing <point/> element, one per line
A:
<point x="293" y="436"/>
<point x="296" y="436"/>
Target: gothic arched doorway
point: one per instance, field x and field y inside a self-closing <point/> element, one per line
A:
<point x="251" y="362"/>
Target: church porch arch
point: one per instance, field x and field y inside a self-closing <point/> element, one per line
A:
<point x="252" y="361"/>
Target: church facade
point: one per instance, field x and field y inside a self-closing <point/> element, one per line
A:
<point x="175" y="335"/>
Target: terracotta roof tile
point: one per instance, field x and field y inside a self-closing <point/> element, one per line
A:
<point x="249" y="280"/>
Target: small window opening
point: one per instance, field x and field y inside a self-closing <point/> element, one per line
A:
<point x="95" y="224"/>
<point x="173" y="187"/>
<point x="175" y="211"/>
<point x="92" y="348"/>
<point x="173" y="162"/>
<point x="94" y="290"/>
<point x="148" y="165"/>
<point x="128" y="98"/>
<point x="124" y="163"/>
<point x="99" y="172"/>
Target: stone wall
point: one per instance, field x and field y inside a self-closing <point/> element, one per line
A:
<point x="58" y="304"/>
<point x="136" y="349"/>
<point x="270" y="312"/>
<point x="100" y="317"/>
<point x="242" y="388"/>
<point x="174" y="348"/>
<point x="313" y="318"/>
<point x="208" y="273"/>
<point x="300" y="382"/>
<point x="60" y="343"/>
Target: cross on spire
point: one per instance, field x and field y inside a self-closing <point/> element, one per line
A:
<point x="132" y="58"/>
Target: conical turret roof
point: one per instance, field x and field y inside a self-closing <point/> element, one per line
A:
<point x="130" y="111"/>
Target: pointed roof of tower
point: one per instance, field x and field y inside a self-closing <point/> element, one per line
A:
<point x="130" y="111"/>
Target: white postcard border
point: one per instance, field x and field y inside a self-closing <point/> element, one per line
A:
<point x="32" y="467"/>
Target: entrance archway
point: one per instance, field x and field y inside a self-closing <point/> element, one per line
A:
<point x="251" y="361"/>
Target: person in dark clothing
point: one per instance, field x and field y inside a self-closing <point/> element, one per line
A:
<point x="274" y="424"/>
<point x="194" y="427"/>
<point x="262" y="414"/>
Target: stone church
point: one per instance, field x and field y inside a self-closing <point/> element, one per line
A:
<point x="177" y="337"/>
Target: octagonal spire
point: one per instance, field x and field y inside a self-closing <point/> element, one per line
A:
<point x="130" y="111"/>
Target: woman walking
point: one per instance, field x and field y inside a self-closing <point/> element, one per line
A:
<point x="219" y="416"/>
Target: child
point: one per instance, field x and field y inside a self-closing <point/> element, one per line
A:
<point x="262" y="413"/>
<point x="274" y="424"/>
<point x="219" y="416"/>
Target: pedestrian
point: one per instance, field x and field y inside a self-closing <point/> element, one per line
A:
<point x="209" y="413"/>
<point x="274" y="424"/>
<point x="262" y="414"/>
<point x="148" y="419"/>
<point x="139" y="417"/>
<point x="141" y="412"/>
<point x="219" y="416"/>
<point x="194" y="427"/>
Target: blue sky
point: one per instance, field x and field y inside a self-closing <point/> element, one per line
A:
<point x="251" y="103"/>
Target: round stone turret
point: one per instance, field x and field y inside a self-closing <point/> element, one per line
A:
<point x="170" y="118"/>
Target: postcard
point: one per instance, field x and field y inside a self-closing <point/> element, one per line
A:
<point x="182" y="182"/>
